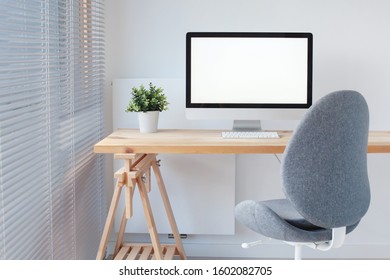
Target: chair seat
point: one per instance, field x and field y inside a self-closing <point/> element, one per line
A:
<point x="284" y="209"/>
<point x="278" y="219"/>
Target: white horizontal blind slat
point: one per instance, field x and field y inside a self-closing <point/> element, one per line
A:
<point x="51" y="86"/>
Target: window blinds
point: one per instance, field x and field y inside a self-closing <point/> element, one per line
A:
<point x="51" y="87"/>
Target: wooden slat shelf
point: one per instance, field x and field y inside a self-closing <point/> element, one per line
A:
<point x="137" y="251"/>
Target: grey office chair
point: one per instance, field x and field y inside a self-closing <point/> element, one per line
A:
<point x="324" y="177"/>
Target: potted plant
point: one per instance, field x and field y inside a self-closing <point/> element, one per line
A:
<point x="148" y="103"/>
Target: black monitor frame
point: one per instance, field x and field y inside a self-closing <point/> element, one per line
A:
<point x="307" y="35"/>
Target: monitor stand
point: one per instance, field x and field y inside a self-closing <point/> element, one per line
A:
<point x="246" y="125"/>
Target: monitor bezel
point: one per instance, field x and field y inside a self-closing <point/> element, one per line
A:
<point x="307" y="35"/>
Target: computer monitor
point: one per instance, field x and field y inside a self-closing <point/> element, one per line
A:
<point x="248" y="77"/>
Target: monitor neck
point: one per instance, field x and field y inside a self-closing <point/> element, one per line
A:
<point x="247" y="125"/>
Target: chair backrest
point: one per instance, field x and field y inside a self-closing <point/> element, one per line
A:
<point x="324" y="169"/>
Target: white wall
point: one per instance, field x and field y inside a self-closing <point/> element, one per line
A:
<point x="146" y="39"/>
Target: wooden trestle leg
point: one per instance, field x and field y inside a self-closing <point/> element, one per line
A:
<point x="137" y="168"/>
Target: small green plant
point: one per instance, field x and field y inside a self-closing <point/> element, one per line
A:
<point x="144" y="100"/>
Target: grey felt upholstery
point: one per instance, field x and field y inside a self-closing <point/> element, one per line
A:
<point x="324" y="175"/>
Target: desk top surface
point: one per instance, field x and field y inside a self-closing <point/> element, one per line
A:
<point x="182" y="141"/>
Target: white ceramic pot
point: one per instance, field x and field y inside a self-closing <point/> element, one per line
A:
<point x="148" y="121"/>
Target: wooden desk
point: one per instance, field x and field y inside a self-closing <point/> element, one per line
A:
<point x="139" y="151"/>
<point x="174" y="141"/>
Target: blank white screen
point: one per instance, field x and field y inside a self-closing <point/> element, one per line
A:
<point x="249" y="70"/>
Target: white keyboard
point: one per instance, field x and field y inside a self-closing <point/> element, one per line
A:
<point x="249" y="134"/>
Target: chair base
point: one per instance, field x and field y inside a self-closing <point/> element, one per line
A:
<point x="338" y="237"/>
